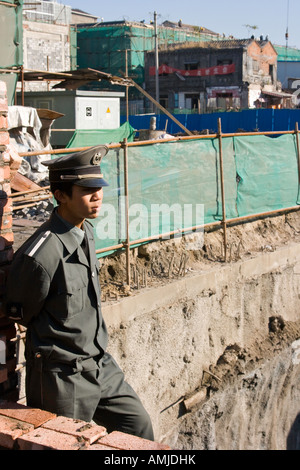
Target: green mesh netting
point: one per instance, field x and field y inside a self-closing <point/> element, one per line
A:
<point x="177" y="185"/>
<point x="85" y="138"/>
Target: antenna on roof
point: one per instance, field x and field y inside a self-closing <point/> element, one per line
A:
<point x="287" y="24"/>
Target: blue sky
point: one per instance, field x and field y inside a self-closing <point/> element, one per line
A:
<point x="272" y="17"/>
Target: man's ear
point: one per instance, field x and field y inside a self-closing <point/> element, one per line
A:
<point x="60" y="196"/>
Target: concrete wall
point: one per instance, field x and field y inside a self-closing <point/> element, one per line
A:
<point x="164" y="339"/>
<point x="47" y="47"/>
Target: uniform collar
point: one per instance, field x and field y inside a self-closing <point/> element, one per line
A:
<point x="66" y="232"/>
<point x="77" y="232"/>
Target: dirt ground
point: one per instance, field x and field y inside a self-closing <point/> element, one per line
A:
<point x="163" y="261"/>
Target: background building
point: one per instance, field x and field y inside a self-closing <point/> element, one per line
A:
<point x="222" y="74"/>
<point x="119" y="48"/>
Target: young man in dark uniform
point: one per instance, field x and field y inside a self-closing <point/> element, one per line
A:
<point x="53" y="289"/>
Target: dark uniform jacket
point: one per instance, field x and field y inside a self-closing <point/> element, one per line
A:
<point x="53" y="290"/>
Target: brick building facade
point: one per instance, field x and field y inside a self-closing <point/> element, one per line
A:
<point x="222" y="74"/>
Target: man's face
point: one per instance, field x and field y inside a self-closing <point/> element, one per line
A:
<point x="85" y="203"/>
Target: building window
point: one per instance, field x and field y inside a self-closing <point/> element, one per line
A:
<point x="224" y="100"/>
<point x="192" y="101"/>
<point x="224" y="62"/>
<point x="191" y="66"/>
<point x="255" y="66"/>
<point x="164" y="101"/>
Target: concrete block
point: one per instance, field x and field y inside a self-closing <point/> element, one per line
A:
<point x="77" y="428"/>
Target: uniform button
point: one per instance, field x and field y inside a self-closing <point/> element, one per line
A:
<point x="93" y="274"/>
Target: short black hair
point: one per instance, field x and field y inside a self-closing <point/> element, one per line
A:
<point x="65" y="187"/>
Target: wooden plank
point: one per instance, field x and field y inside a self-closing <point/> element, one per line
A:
<point x="22" y="183"/>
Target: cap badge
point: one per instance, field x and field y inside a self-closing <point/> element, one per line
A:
<point x="97" y="159"/>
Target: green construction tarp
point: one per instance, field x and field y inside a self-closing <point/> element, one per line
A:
<point x="84" y="138"/>
<point x="177" y="185"/>
<point x="11" y="40"/>
<point x="267" y="170"/>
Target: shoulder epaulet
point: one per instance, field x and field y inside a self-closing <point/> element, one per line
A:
<point x="38" y="243"/>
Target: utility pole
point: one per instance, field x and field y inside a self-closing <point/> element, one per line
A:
<point x="156" y="58"/>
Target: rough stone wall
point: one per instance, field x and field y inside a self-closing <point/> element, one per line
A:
<point x="46" y="47"/>
<point x="215" y="333"/>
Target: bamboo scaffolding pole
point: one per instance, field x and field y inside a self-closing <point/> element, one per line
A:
<point x="9" y="4"/>
<point x="159" y="106"/>
<point x="216" y="225"/>
<point x="127" y="244"/>
<point x="152" y="142"/>
<point x="31" y="204"/>
<point x="30" y="191"/>
<point x="222" y="189"/>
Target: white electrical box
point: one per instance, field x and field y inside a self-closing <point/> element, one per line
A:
<point x="97" y="113"/>
<point x="82" y="110"/>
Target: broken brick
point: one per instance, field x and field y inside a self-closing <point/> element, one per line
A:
<point x="26" y="414"/>
<point x="46" y="439"/>
<point x="10" y="430"/>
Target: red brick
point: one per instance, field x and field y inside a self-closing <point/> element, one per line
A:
<point x="6" y="221"/>
<point x="77" y="428"/>
<point x="46" y="439"/>
<point x="99" y="446"/>
<point x="5" y="188"/>
<point x="4" y="135"/>
<point x="26" y="414"/>
<point x="124" y="441"/>
<point x="6" y="239"/>
<point x="3" y="104"/>
<point x="3" y="122"/>
<point x="6" y="204"/>
<point x="5" y="157"/>
<point x="4" y="171"/>
<point x="10" y="430"/>
<point x="14" y="158"/>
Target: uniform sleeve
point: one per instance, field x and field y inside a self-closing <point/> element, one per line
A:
<point x="26" y="290"/>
